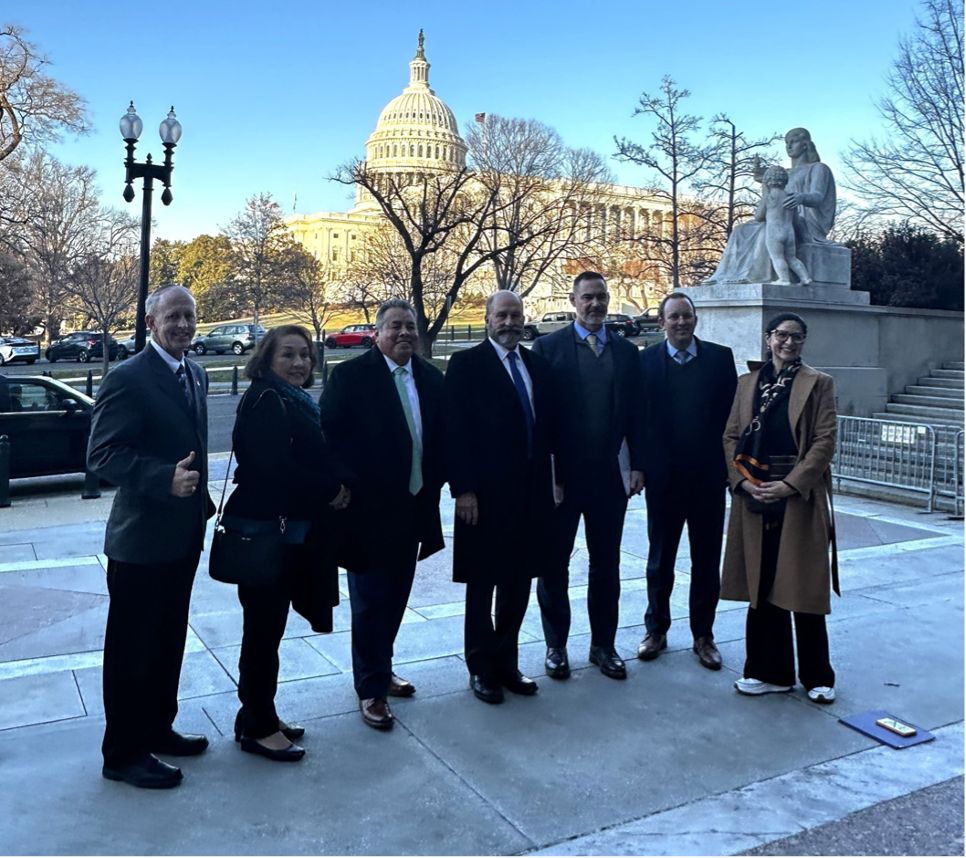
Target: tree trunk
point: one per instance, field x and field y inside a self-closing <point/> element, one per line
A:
<point x="105" y="353"/>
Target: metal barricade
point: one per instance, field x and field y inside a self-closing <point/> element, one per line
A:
<point x="897" y="455"/>
<point x="948" y="480"/>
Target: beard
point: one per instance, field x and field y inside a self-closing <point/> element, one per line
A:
<point x="508" y="336"/>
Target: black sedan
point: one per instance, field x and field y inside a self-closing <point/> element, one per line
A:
<point x="48" y="424"/>
<point x="82" y="346"/>
<point x="621" y="324"/>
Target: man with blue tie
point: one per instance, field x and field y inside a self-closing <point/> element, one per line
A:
<point x="500" y="419"/>
<point x="382" y="416"/>
<point x="689" y="385"/>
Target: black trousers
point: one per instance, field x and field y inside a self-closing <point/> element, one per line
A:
<point x="147" y="624"/>
<point x="491" y="640"/>
<point x="265" y="611"/>
<point x="702" y="508"/>
<point x="768" y="633"/>
<point x="378" y="601"/>
<point x="602" y="501"/>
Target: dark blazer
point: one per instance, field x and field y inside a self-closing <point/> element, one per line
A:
<point x="365" y="427"/>
<point x="486" y="444"/>
<point x="716" y="382"/>
<point x="560" y="350"/>
<point x="142" y="426"/>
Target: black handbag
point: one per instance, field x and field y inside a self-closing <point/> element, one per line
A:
<point x="780" y="467"/>
<point x="252" y="556"/>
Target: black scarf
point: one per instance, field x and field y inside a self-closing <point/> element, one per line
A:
<point x="294" y="396"/>
<point x="751" y="460"/>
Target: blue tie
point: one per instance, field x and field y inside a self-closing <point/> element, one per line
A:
<point x="524" y="399"/>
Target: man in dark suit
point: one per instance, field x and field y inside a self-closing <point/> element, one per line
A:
<point x="598" y="377"/>
<point x="382" y="415"/>
<point x="689" y="385"/>
<point x="149" y="437"/>
<point x="500" y="415"/>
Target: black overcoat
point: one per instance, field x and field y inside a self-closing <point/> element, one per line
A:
<point x="486" y="441"/>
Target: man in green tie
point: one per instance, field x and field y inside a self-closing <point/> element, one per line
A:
<point x="382" y="415"/>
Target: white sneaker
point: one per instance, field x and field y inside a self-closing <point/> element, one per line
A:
<point x="756" y="686"/>
<point x="821" y="694"/>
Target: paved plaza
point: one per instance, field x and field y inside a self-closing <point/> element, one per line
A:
<point x="671" y="761"/>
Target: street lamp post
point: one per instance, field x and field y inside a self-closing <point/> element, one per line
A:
<point x="170" y="131"/>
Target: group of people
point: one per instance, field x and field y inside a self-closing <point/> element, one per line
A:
<point x="529" y="441"/>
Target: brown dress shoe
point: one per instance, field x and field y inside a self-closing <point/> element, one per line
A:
<point x="651" y="646"/>
<point x="399" y="687"/>
<point x="708" y="653"/>
<point x="376" y="712"/>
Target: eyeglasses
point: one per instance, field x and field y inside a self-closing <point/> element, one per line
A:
<point x="785" y="336"/>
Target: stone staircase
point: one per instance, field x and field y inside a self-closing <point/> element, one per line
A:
<point x="936" y="400"/>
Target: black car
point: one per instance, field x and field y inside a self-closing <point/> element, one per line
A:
<point x="48" y="424"/>
<point x="81" y="346"/>
<point x="622" y="325"/>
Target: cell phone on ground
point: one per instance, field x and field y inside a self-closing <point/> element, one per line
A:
<point x="897" y="727"/>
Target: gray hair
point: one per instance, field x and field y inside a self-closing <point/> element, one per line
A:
<point x="492" y="299"/>
<point x="392" y="304"/>
<point x="150" y="305"/>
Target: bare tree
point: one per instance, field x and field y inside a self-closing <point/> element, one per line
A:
<point x="309" y="287"/>
<point x="16" y="294"/>
<point x="677" y="162"/>
<point x="545" y="195"/>
<point x="33" y="106"/>
<point x="104" y="283"/>
<point x="916" y="174"/>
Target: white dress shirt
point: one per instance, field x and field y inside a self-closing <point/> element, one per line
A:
<point x="410" y="383"/>
<point x="172" y="362"/>
<point x="503" y="353"/>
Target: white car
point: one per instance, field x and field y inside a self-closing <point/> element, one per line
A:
<point x="17" y="348"/>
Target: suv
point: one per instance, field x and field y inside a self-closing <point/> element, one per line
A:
<point x="621" y="324"/>
<point x="18" y="348"/>
<point x="238" y="338"/>
<point x="81" y="346"/>
<point x="352" y="335"/>
<point x="548" y="324"/>
<point x="125" y="348"/>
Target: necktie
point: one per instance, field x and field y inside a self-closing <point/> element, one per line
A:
<point x="591" y="341"/>
<point x="183" y="381"/>
<point x="682" y="357"/>
<point x="416" y="473"/>
<point x="521" y="387"/>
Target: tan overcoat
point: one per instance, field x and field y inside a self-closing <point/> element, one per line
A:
<point x="802" y="578"/>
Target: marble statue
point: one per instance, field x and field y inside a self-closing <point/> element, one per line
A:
<point x="781" y="227"/>
<point x="810" y="196"/>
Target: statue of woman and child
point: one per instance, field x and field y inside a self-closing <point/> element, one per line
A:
<point x="797" y="208"/>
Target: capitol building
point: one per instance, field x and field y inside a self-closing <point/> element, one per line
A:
<point x="417" y="134"/>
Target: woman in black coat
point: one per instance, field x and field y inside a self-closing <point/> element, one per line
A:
<point x="283" y="472"/>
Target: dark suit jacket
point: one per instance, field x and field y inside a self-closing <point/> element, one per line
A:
<point x="560" y="350"/>
<point x="142" y="426"/>
<point x="365" y="427"/>
<point x="716" y="383"/>
<point x="486" y="443"/>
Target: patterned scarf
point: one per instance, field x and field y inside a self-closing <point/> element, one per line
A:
<point x="751" y="460"/>
<point x="294" y="396"/>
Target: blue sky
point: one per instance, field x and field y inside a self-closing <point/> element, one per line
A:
<point x="273" y="96"/>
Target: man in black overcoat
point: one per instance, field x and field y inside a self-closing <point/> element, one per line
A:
<point x="689" y="385"/>
<point x="500" y="416"/>
<point x="382" y="416"/>
<point x="600" y="464"/>
<point x="149" y="437"/>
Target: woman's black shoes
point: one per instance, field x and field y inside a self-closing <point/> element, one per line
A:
<point x="289" y="731"/>
<point x="291" y="754"/>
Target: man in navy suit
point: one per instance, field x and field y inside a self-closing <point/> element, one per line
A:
<point x="598" y="379"/>
<point x="689" y="385"/>
<point x="382" y="416"/>
<point x="149" y="437"/>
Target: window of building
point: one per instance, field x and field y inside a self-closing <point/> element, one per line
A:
<point x="335" y="254"/>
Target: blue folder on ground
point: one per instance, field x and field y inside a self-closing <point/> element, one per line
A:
<point x="864" y="722"/>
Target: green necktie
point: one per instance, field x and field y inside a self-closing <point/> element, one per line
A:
<point x="416" y="474"/>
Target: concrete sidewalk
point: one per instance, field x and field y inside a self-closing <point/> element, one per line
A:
<point x="672" y="761"/>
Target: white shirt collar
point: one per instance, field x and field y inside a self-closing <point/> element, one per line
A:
<point x="393" y="366"/>
<point x="502" y="352"/>
<point x="174" y="363"/>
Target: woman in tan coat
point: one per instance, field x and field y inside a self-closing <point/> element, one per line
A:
<point x="779" y="443"/>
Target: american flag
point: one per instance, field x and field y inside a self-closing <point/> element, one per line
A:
<point x="481" y="118"/>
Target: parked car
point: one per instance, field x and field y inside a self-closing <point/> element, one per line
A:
<point x="235" y="338"/>
<point x="48" y="424"/>
<point x="647" y="321"/>
<point x="82" y="346"/>
<point x="352" y="335"/>
<point x="621" y="324"/>
<point x="548" y="324"/>
<point x="125" y="348"/>
<point x="17" y="348"/>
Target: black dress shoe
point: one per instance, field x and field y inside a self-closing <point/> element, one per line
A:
<point x="147" y="772"/>
<point x="486" y="691"/>
<point x="517" y="683"/>
<point x="289" y="731"/>
<point x="557" y="664"/>
<point x="175" y="744"/>
<point x="291" y="754"/>
<point x="609" y="662"/>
